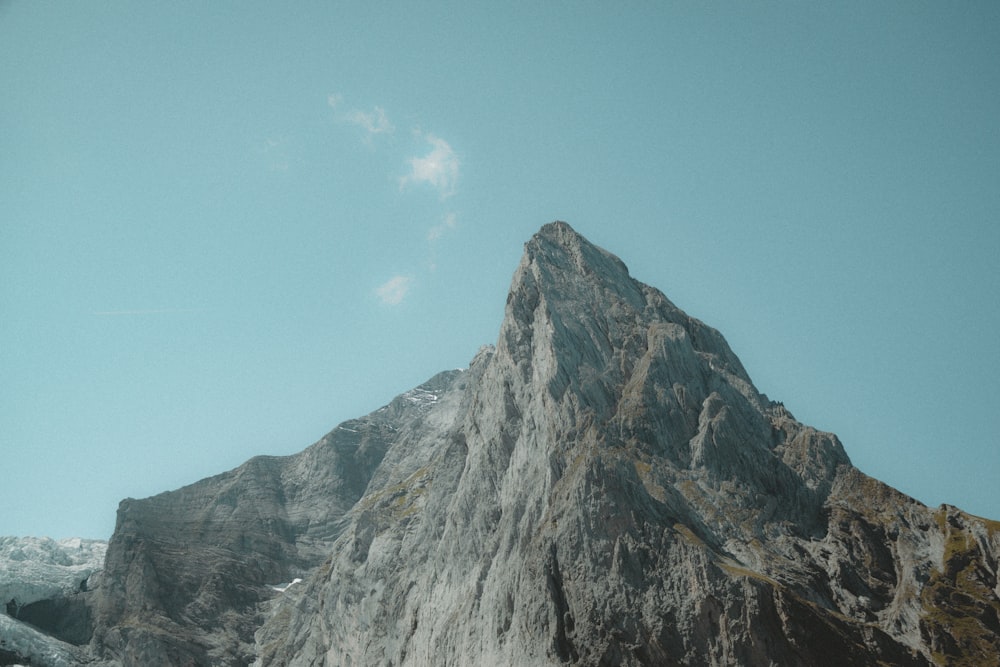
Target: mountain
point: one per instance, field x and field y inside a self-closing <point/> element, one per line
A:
<point x="605" y="486"/>
<point x="608" y="487"/>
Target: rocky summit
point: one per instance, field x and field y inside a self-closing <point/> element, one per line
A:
<point x="605" y="486"/>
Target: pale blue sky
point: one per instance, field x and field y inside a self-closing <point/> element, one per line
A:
<point x="227" y="226"/>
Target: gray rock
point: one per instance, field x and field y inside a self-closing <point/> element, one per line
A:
<point x="188" y="571"/>
<point x="604" y="487"/>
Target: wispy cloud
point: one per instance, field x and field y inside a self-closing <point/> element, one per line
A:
<point x="431" y="162"/>
<point x="142" y="311"/>
<point x="393" y="291"/>
<point x="276" y="150"/>
<point x="439" y="168"/>
<point x="437" y="231"/>
<point x="374" y="122"/>
<point x="449" y="222"/>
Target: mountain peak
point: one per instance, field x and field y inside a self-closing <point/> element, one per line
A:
<point x="570" y="279"/>
<point x="569" y="303"/>
<point x="560" y="233"/>
<point x="561" y="254"/>
<point x="556" y="229"/>
<point x="574" y="310"/>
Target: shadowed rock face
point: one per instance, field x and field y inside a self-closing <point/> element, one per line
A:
<point x="605" y="486"/>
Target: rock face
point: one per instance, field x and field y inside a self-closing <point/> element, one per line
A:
<point x="188" y="571"/>
<point x="604" y="487"/>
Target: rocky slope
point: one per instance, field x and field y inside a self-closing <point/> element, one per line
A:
<point x="605" y="486"/>
<point x="188" y="571"/>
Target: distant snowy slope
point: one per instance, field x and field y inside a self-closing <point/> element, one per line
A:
<point x="34" y="647"/>
<point x="39" y="568"/>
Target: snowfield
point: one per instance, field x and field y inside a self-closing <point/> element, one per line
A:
<point x="39" y="568"/>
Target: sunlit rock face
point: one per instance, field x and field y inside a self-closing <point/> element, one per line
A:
<point x="603" y="486"/>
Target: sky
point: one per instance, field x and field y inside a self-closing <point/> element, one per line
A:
<point x="226" y="227"/>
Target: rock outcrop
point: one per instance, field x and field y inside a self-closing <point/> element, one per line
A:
<point x="605" y="486"/>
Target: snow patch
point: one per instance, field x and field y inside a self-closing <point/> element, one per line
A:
<point x="281" y="588"/>
<point x="421" y="397"/>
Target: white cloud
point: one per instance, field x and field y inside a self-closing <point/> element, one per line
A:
<point x="375" y="122"/>
<point x="439" y="168"/>
<point x="394" y="290"/>
<point x="437" y="231"/>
